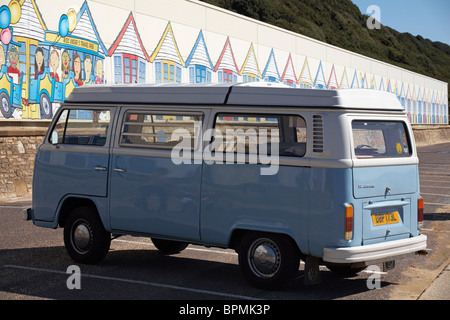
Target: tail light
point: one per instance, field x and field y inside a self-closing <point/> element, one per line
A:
<point x="348" y="235"/>
<point x="420" y="213"/>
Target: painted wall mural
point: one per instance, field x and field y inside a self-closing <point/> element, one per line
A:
<point x="40" y="67"/>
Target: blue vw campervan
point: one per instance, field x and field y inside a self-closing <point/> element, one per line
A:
<point x="279" y="174"/>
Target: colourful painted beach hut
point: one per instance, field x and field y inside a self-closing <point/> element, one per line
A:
<point x="89" y="44"/>
<point x="445" y="102"/>
<point x="167" y="59"/>
<point x="403" y="95"/>
<point x="382" y="87"/>
<point x="289" y="78"/>
<point x="199" y="63"/>
<point x="305" y="79"/>
<point x="389" y="86"/>
<point x="425" y="106"/>
<point x="407" y="102"/>
<point x="250" y="70"/>
<point x="319" y="80"/>
<point x="364" y="83"/>
<point x="373" y="83"/>
<point x="332" y="80"/>
<point x="270" y="73"/>
<point x="433" y="108"/>
<point x="128" y="54"/>
<point x="355" y="81"/>
<point x="344" y="84"/>
<point x="414" y="106"/>
<point x="226" y="67"/>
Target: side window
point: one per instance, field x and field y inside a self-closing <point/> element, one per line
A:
<point x="154" y="130"/>
<point x="247" y="133"/>
<point x="81" y="127"/>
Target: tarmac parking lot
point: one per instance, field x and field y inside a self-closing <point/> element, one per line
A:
<point x="34" y="263"/>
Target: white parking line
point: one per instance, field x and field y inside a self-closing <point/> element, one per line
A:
<point x="426" y="186"/>
<point x="436" y="194"/>
<point x="435" y="204"/>
<point x="13" y="207"/>
<point x="153" y="284"/>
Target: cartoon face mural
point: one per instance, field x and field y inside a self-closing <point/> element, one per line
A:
<point x="87" y="69"/>
<point x="65" y="64"/>
<point x="54" y="63"/>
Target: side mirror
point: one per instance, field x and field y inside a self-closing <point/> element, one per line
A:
<point x="54" y="138"/>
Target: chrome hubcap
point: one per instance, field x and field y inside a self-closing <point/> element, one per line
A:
<point x="264" y="258"/>
<point x="81" y="236"/>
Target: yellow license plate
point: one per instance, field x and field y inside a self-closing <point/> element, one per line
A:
<point x="383" y="218"/>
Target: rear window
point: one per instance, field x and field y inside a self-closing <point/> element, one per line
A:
<point x="380" y="139"/>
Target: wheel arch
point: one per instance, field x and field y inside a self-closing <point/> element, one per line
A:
<point x="238" y="234"/>
<point x="70" y="203"/>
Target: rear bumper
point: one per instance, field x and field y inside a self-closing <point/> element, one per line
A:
<point x="376" y="253"/>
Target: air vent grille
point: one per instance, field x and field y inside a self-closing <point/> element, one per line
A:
<point x="317" y="133"/>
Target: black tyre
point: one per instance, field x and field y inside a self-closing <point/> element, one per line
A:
<point x="268" y="261"/>
<point x="85" y="238"/>
<point x="168" y="246"/>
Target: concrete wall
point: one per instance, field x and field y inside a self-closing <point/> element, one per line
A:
<point x="426" y="136"/>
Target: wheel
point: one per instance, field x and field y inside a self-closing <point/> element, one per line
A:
<point x="85" y="238"/>
<point x="168" y="246"/>
<point x="346" y="271"/>
<point x="46" y="106"/>
<point x="5" y="105"/>
<point x="268" y="261"/>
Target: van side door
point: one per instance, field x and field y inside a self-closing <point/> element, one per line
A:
<point x="262" y="183"/>
<point x="149" y="192"/>
<point x="73" y="159"/>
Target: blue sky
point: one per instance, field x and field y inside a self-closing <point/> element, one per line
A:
<point x="428" y="18"/>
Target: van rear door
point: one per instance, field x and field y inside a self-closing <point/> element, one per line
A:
<point x="389" y="191"/>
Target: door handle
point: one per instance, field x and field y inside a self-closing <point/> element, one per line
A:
<point x="119" y="170"/>
<point x="100" y="169"/>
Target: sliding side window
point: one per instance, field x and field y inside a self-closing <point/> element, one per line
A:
<point x="251" y="133"/>
<point x="154" y="130"/>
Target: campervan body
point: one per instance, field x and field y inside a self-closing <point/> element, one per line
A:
<point x="279" y="174"/>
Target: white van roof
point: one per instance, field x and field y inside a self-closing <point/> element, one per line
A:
<point x="254" y="94"/>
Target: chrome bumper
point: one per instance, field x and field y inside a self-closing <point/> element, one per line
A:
<point x="376" y="253"/>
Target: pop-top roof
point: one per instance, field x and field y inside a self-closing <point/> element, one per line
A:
<point x="255" y="94"/>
